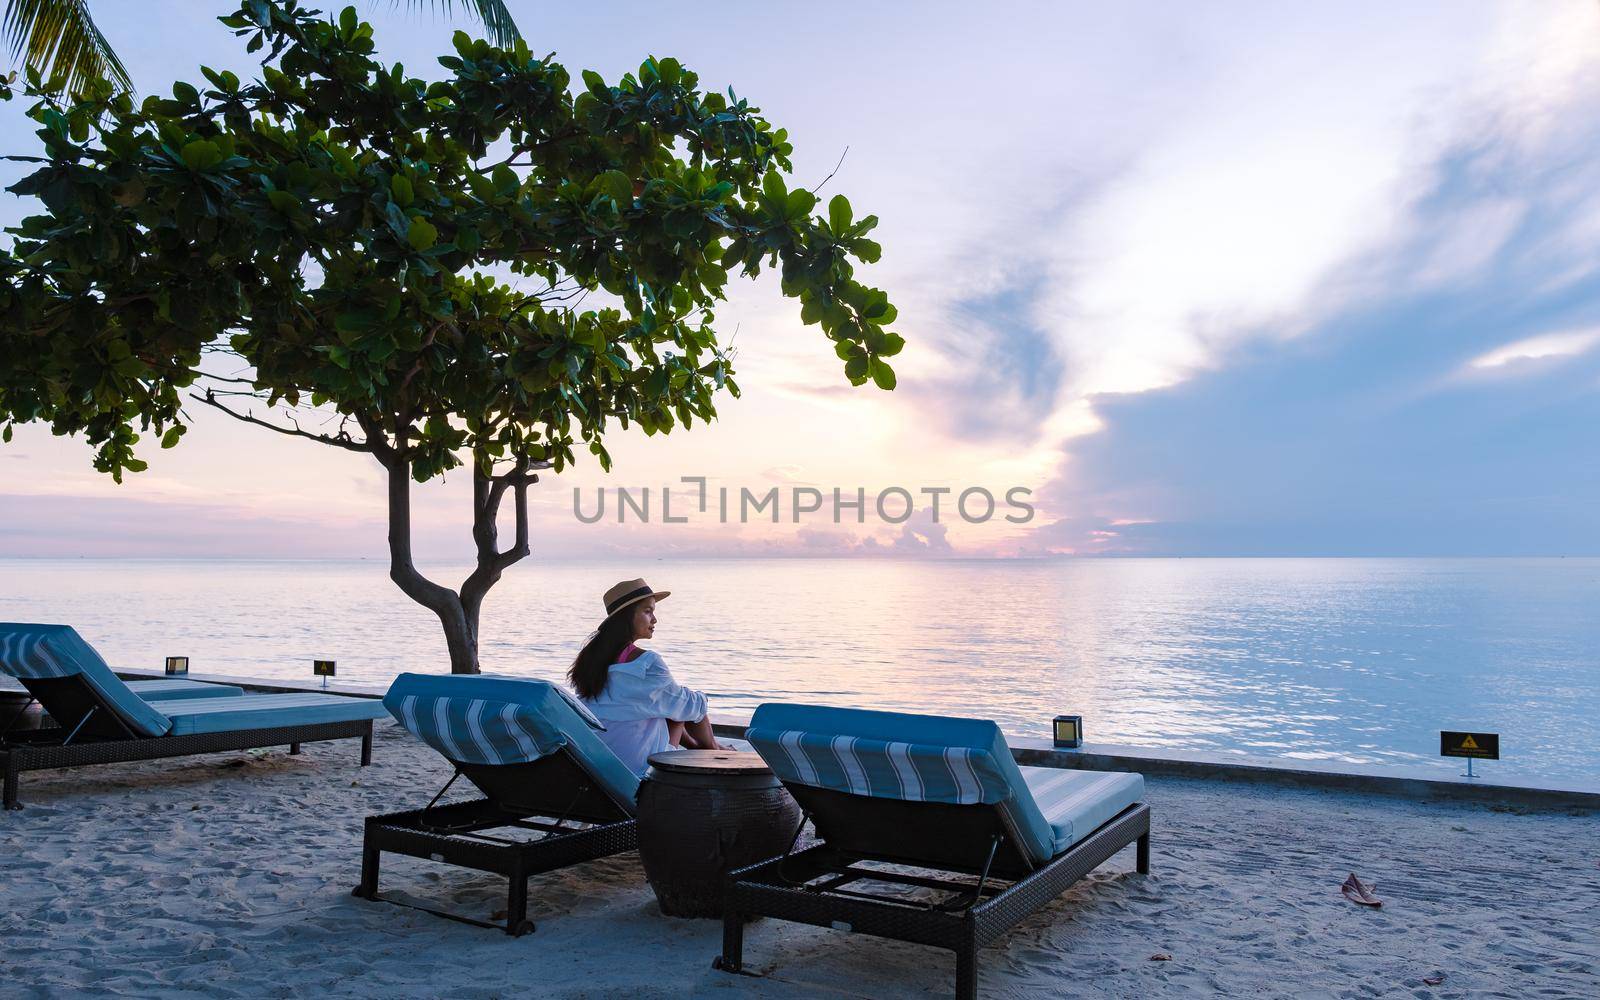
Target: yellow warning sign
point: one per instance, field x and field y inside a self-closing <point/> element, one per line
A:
<point x="1484" y="746"/>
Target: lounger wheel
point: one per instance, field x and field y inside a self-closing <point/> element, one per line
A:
<point x="523" y="927"/>
<point x="724" y="965"/>
<point x="360" y="892"/>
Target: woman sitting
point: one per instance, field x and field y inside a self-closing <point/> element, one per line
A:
<point x="630" y="689"/>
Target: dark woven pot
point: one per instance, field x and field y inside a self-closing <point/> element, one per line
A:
<point x="696" y="827"/>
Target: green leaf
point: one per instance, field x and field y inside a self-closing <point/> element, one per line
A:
<point x="616" y="184"/>
<point x="867" y="250"/>
<point x="170" y="438"/>
<point x="283" y="201"/>
<point x="400" y="189"/>
<point x="856" y="368"/>
<point x="892" y="344"/>
<point x="882" y="374"/>
<point x="422" y="234"/>
<point x="799" y="204"/>
<point x="839" y="214"/>
<point x="200" y="155"/>
<point x="506" y="180"/>
<point x="773" y="187"/>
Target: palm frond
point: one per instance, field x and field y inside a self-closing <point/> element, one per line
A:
<point x="497" y="20"/>
<point x="60" y="40"/>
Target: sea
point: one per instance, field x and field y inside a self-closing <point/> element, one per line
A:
<point x="1348" y="660"/>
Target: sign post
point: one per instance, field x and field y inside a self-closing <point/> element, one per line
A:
<point x="323" y="669"/>
<point x="1472" y="746"/>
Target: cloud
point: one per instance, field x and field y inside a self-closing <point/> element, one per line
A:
<point x="1004" y="372"/>
<point x="1549" y="345"/>
<point x="65" y="526"/>
<point x="785" y="474"/>
<point x="921" y="535"/>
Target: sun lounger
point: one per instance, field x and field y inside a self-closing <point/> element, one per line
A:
<point x="533" y="753"/>
<point x="940" y="795"/>
<point x="101" y="720"/>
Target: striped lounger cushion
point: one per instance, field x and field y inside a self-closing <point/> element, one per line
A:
<point x="928" y="758"/>
<point x="882" y="768"/>
<point x="476" y="730"/>
<point x="484" y="719"/>
<point x="42" y="652"/>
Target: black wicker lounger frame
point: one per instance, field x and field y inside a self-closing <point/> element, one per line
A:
<point x="813" y="885"/>
<point x="543" y="797"/>
<point x="88" y="732"/>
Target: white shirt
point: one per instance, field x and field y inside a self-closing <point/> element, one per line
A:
<point x="638" y="699"/>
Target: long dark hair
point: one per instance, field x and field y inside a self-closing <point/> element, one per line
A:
<point x="587" y="674"/>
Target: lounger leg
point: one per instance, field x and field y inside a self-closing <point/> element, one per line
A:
<point x="967" y="973"/>
<point x="1143" y="862"/>
<point x="732" y="959"/>
<point x="368" y="889"/>
<point x="517" y="923"/>
<point x="294" y="748"/>
<point x="366" y="746"/>
<point x="11" y="784"/>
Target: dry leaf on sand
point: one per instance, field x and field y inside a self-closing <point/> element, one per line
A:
<point x="1357" y="891"/>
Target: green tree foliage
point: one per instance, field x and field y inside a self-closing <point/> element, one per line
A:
<point x="59" y="39"/>
<point x="492" y="268"/>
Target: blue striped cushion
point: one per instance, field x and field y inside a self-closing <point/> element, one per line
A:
<point x="41" y="652"/>
<point x="567" y="696"/>
<point x="919" y="758"/>
<point x="477" y="730"/>
<point x="265" y="711"/>
<point x="916" y="772"/>
<point x="477" y="719"/>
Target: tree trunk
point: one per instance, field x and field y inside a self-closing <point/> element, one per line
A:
<point x="460" y="628"/>
<point x="461" y="636"/>
<point x="458" y="612"/>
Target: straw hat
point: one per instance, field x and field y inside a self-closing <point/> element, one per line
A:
<point x="628" y="593"/>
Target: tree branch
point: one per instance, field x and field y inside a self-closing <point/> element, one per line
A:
<point x="487" y="493"/>
<point x="835" y="170"/>
<point x="342" y="441"/>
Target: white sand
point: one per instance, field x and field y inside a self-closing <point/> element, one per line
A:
<point x="230" y="875"/>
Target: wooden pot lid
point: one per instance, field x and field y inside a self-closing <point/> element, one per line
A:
<point x="710" y="762"/>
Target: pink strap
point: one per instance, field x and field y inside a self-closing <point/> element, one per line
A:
<point x="629" y="652"/>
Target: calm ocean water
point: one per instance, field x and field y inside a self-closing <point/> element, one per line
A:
<point x="1359" y="660"/>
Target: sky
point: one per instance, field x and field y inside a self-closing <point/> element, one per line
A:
<point x="1253" y="279"/>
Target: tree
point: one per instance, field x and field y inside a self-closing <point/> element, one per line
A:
<point x="336" y="229"/>
<point x="59" y="39"/>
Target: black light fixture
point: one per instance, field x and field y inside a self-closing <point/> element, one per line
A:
<point x="177" y="664"/>
<point x="1069" y="731"/>
<point x="323" y="669"/>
